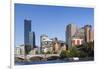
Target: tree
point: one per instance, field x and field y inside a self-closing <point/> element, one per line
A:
<point x="48" y="52"/>
<point x="82" y="54"/>
<point x="86" y="49"/>
<point x="54" y="52"/>
<point x="91" y="49"/>
<point x="37" y="52"/>
<point x="73" y="52"/>
<point x="63" y="54"/>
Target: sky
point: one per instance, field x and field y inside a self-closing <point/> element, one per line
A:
<point x="49" y="20"/>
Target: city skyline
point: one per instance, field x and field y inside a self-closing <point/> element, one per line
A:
<point x="49" y="20"/>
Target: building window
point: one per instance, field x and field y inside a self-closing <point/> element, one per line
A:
<point x="78" y="42"/>
<point x="73" y="42"/>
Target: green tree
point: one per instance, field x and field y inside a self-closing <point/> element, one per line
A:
<point x="73" y="52"/>
<point x="63" y="54"/>
<point x="37" y="52"/>
<point x="48" y="52"/>
<point x="86" y="49"/>
<point x="82" y="54"/>
<point x="54" y="52"/>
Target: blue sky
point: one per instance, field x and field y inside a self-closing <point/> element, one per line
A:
<point x="49" y="20"/>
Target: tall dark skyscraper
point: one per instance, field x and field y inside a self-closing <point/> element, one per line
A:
<point x="27" y="29"/>
<point x="32" y="39"/>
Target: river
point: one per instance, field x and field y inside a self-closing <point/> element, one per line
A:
<point x="39" y="62"/>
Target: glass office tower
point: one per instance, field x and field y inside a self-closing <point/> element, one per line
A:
<point x="27" y="29"/>
<point x="32" y="39"/>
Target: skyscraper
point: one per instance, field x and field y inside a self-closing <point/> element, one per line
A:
<point x="88" y="30"/>
<point x="70" y="32"/>
<point x="80" y="33"/>
<point x="32" y="39"/>
<point x="27" y="29"/>
<point x="92" y="35"/>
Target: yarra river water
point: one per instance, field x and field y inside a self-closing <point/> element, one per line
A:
<point x="39" y="62"/>
<point x="49" y="61"/>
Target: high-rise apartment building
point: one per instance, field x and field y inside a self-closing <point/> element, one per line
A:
<point x="92" y="35"/>
<point x="70" y="32"/>
<point x="80" y="33"/>
<point x="87" y="32"/>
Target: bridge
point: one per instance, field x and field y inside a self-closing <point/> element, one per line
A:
<point x="37" y="55"/>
